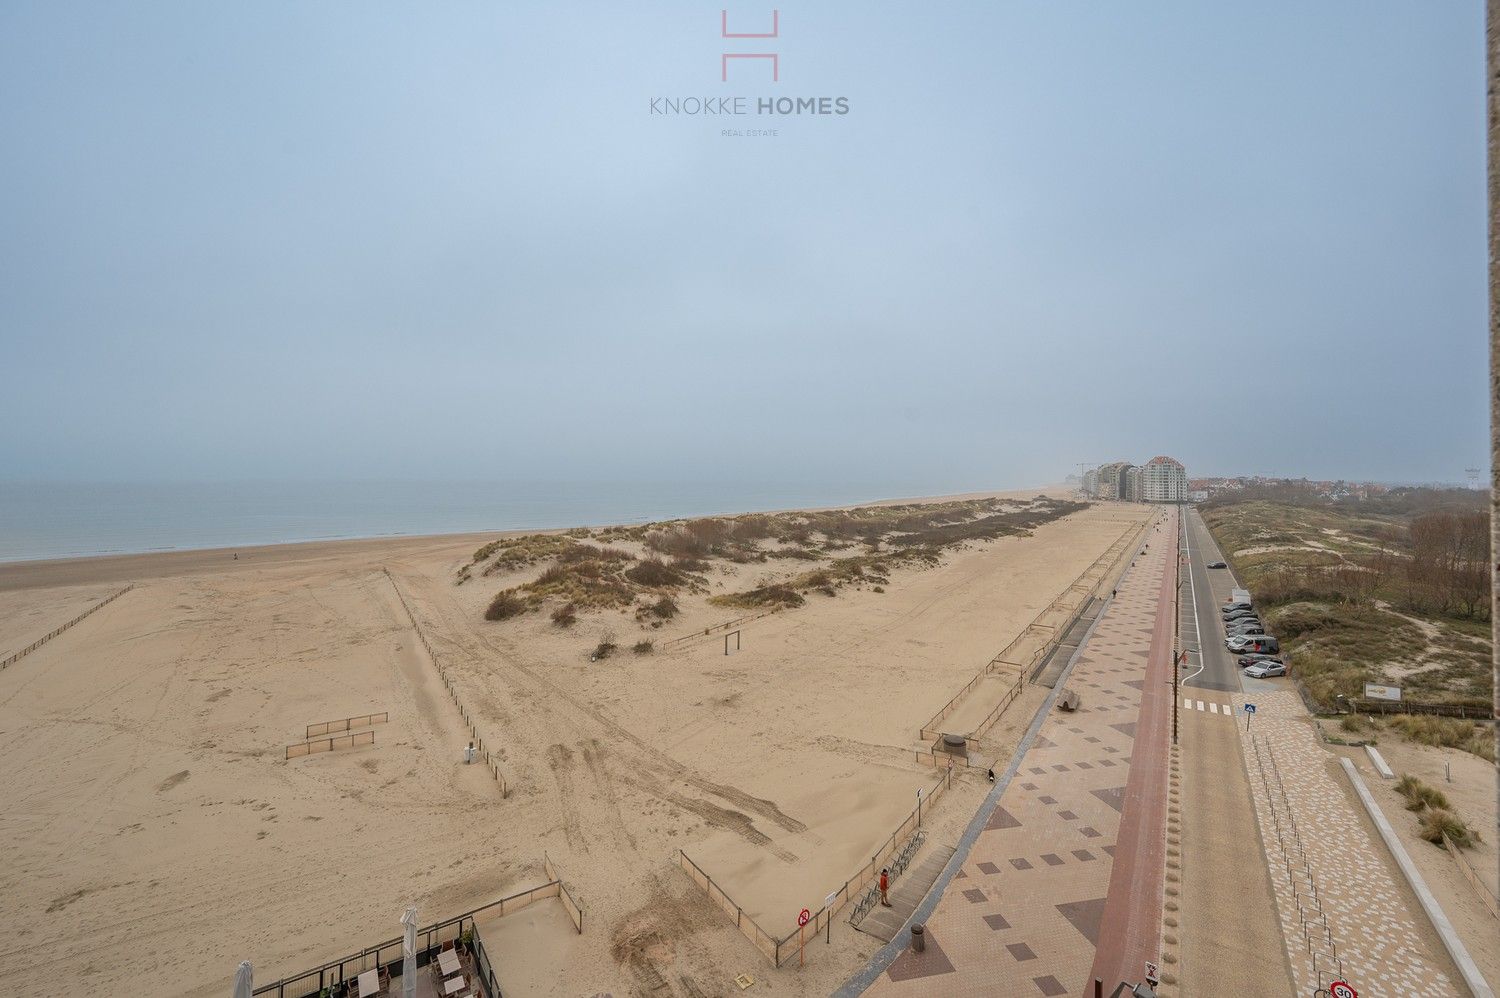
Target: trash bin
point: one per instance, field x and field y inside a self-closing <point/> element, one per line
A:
<point x="918" y="937"/>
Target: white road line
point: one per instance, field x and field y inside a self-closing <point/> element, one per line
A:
<point x="1200" y="704"/>
<point x="1187" y="704"/>
<point x="1187" y="540"/>
<point x="1213" y="708"/>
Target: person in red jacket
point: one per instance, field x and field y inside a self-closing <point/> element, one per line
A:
<point x="885" y="883"/>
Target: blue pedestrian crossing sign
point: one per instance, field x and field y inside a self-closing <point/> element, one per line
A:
<point x="1249" y="708"/>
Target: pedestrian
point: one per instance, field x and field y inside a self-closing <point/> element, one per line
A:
<point x="1113" y="593"/>
<point x="885" y="884"/>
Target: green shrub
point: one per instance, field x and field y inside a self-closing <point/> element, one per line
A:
<point x="1438" y="822"/>
<point x="772" y="594"/>
<point x="1419" y="796"/>
<point x="565" y="615"/>
<point x="1447" y="732"/>
<point x="654" y="572"/>
<point x="643" y="647"/>
<point x="506" y="604"/>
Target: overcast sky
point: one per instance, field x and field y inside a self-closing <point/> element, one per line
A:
<point x="364" y="240"/>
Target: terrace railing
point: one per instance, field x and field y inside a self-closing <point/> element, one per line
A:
<point x="341" y="973"/>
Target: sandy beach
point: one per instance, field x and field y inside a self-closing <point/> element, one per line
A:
<point x="159" y="835"/>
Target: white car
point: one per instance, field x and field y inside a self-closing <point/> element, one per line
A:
<point x="1265" y="670"/>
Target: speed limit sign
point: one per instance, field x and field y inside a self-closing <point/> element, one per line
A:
<point x="1338" y="989"/>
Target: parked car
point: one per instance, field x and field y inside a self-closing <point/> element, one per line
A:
<point x="1234" y="622"/>
<point x="1266" y="669"/>
<point x="1246" y="627"/>
<point x="1229" y="608"/>
<point x="1242" y="643"/>
<point x="1217" y="564"/>
<point x="1255" y="658"/>
<point x="1240" y="615"/>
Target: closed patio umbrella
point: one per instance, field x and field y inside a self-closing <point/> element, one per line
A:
<point x="244" y="980"/>
<point x="409" y="953"/>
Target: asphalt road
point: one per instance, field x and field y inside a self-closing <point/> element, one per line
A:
<point x="1209" y="666"/>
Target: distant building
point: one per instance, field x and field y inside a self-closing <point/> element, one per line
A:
<point x="1198" y="495"/>
<point x="1091" y="482"/>
<point x="1132" y="491"/>
<point x="1163" y="480"/>
<point x="1112" y="483"/>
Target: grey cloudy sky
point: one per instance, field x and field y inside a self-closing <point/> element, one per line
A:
<point x="365" y="239"/>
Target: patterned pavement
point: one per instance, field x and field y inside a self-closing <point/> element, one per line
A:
<point x="1025" y="913"/>
<point x="1342" y="910"/>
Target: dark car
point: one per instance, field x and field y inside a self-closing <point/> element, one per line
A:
<point x="1234" y="618"/>
<point x="1217" y="564"/>
<point x="1229" y="608"/>
<point x="1255" y="657"/>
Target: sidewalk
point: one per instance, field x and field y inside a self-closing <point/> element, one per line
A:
<point x="1342" y="910"/>
<point x="1027" y="909"/>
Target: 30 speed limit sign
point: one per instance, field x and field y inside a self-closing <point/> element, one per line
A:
<point x="1338" y="989"/>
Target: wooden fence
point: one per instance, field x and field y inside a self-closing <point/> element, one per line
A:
<point x="672" y="644"/>
<point x="319" y="745"/>
<point x="1486" y="713"/>
<point x="11" y="659"/>
<point x="346" y="724"/>
<point x="490" y="761"/>
<point x="1072" y="600"/>
<point x="563" y="894"/>
<point x="1486" y="896"/>
<point x="779" y="950"/>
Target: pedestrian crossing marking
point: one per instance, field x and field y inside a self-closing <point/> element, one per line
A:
<point x="1221" y="709"/>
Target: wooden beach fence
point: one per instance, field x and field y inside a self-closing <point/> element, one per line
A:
<point x="11" y="659"/>
<point x="491" y="763"/>
<point x="564" y="895"/>
<point x="346" y="724"/>
<point x="1486" y="896"/>
<point x="354" y="739"/>
<point x="1048" y="636"/>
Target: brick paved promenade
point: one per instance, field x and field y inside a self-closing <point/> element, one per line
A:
<point x="1342" y="910"/>
<point x="1027" y="910"/>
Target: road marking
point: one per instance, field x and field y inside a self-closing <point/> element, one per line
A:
<point x="1200" y="704"/>
<point x="1187" y="540"/>
<point x="1213" y="708"/>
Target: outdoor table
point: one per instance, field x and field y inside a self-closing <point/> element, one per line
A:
<point x="454" y="986"/>
<point x="448" y="961"/>
<point x="369" y="983"/>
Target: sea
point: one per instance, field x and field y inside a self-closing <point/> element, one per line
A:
<point x="41" y="520"/>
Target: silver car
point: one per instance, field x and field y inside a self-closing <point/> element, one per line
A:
<point x="1264" y="670"/>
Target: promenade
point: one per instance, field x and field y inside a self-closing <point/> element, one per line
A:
<point x="1065" y="880"/>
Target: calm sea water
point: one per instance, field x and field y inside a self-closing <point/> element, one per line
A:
<point x="53" y="520"/>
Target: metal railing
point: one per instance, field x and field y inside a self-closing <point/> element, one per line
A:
<point x="343" y="972"/>
<point x="779" y="950"/>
